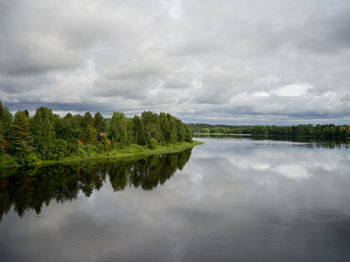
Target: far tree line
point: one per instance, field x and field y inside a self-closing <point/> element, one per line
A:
<point x="329" y="131"/>
<point x="47" y="136"/>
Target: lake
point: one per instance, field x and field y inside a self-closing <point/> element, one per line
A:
<point x="232" y="199"/>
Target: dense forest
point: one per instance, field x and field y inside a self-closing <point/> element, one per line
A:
<point x="306" y="131"/>
<point x="47" y="136"/>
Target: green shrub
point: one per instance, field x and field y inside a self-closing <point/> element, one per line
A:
<point x="153" y="143"/>
<point x="100" y="148"/>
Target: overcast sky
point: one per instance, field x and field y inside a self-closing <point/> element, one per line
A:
<point x="222" y="61"/>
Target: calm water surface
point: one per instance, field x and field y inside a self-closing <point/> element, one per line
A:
<point x="227" y="200"/>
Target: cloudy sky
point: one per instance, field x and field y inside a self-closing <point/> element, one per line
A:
<point x="223" y="61"/>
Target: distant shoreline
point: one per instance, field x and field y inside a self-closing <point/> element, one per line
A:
<point x="268" y="136"/>
<point x="323" y="132"/>
<point x="219" y="134"/>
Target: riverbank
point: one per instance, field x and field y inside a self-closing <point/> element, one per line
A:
<point x="90" y="153"/>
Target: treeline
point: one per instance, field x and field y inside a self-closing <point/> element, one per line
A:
<point x="47" y="136"/>
<point x="329" y="131"/>
<point x="22" y="192"/>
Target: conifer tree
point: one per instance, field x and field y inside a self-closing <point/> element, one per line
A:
<point x="77" y="125"/>
<point x="2" y="151"/>
<point x="43" y="132"/>
<point x="130" y="134"/>
<point x="99" y="123"/>
<point x="87" y="120"/>
<point x="22" y="138"/>
<point x="6" y="119"/>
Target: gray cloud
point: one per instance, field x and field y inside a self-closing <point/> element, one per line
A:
<point x="236" y="62"/>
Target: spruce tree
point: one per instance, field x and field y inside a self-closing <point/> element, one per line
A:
<point x="22" y="138"/>
<point x="87" y="120"/>
<point x="2" y="151"/>
<point x="99" y="122"/>
<point x="43" y="132"/>
<point x="6" y="119"/>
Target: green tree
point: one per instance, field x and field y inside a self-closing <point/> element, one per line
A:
<point x="99" y="123"/>
<point x="139" y="130"/>
<point x="130" y="131"/>
<point x="105" y="144"/>
<point x="64" y="129"/>
<point x="43" y="132"/>
<point x="151" y="126"/>
<point x="22" y="143"/>
<point x="118" y="128"/>
<point x="90" y="135"/>
<point x="181" y="131"/>
<point x="87" y="120"/>
<point x="2" y="151"/>
<point x="60" y="149"/>
<point x="6" y="119"/>
<point x="164" y="127"/>
<point x="188" y="134"/>
<point x="78" y="125"/>
<point x="172" y="128"/>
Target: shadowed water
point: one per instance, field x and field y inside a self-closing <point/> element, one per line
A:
<point x="235" y="200"/>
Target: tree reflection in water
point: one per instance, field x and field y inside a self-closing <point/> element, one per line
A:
<point x="27" y="189"/>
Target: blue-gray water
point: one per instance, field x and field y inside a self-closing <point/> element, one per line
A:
<point x="233" y="200"/>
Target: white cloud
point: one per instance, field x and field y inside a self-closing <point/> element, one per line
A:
<point x="293" y="90"/>
<point x="261" y="94"/>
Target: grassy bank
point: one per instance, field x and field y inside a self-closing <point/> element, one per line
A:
<point x="89" y="153"/>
